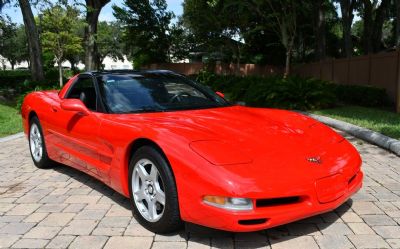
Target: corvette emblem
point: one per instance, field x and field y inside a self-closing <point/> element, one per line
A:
<point x="316" y="160"/>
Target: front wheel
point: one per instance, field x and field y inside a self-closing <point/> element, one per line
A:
<point x="37" y="145"/>
<point x="153" y="192"/>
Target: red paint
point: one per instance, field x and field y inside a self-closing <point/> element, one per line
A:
<point x="74" y="105"/>
<point x="240" y="152"/>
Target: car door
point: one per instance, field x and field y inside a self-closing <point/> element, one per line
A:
<point x="76" y="133"/>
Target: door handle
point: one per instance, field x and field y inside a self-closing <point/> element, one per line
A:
<point x="54" y="109"/>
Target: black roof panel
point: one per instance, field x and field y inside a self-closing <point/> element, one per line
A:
<point x="128" y="71"/>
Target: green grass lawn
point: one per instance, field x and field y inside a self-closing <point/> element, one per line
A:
<point x="10" y="120"/>
<point x="385" y="122"/>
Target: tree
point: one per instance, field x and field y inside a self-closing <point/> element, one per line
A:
<point x="268" y="31"/>
<point x="6" y="33"/>
<point x="13" y="43"/>
<point x="397" y="34"/>
<point x="58" y="36"/>
<point x="310" y="32"/>
<point x="32" y="34"/>
<point x="278" y="17"/>
<point x="182" y="42"/>
<point x="93" y="8"/>
<point x="319" y="8"/>
<point x="347" y="9"/>
<point x="109" y="41"/>
<point x="2" y="3"/>
<point x="75" y="58"/>
<point x="374" y="16"/>
<point x="217" y="26"/>
<point x="283" y="20"/>
<point x="146" y="30"/>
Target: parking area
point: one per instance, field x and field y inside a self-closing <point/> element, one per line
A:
<point x="61" y="207"/>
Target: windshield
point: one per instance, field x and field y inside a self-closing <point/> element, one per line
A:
<point x="155" y="92"/>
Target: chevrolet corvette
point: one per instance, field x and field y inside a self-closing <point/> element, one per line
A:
<point x="182" y="153"/>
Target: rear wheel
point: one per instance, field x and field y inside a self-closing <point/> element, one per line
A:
<point x="153" y="192"/>
<point x="37" y="145"/>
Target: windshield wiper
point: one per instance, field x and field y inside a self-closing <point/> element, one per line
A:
<point x="145" y="109"/>
<point x="195" y="107"/>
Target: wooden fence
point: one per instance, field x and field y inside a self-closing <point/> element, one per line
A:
<point x="220" y="68"/>
<point x="381" y="70"/>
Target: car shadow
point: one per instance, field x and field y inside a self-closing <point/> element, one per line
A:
<point x="218" y="238"/>
<point x="93" y="183"/>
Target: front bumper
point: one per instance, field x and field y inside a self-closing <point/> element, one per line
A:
<point x="270" y="216"/>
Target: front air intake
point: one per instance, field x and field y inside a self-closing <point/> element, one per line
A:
<point x="277" y="201"/>
<point x="252" y="222"/>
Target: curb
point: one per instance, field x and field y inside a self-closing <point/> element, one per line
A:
<point x="388" y="143"/>
<point x="12" y="137"/>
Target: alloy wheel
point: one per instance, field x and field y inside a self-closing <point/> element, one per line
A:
<point x="36" y="144"/>
<point x="148" y="190"/>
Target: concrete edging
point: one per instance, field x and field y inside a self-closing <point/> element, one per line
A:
<point x="391" y="144"/>
<point x="12" y="137"/>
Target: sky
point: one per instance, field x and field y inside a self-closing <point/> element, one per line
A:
<point x="105" y="14"/>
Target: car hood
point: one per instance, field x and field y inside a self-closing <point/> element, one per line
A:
<point x="237" y="134"/>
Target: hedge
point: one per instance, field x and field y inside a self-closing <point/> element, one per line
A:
<point x="13" y="79"/>
<point x="293" y="92"/>
<point x="20" y="80"/>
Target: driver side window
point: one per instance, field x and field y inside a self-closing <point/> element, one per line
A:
<point x="84" y="90"/>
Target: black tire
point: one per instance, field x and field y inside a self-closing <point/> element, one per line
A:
<point x="44" y="162"/>
<point x="170" y="220"/>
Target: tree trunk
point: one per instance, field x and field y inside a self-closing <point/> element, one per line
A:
<point x="60" y="72"/>
<point x="319" y="29"/>
<point x="367" y="29"/>
<point x="90" y="40"/>
<point x="73" y="66"/>
<point x="100" y="62"/>
<point x="398" y="23"/>
<point x="346" y="7"/>
<point x="72" y="61"/>
<point x="373" y="25"/>
<point x="287" y="63"/>
<point x="12" y="65"/>
<point x="381" y="16"/>
<point x="35" y="50"/>
<point x="238" y="59"/>
<point x="92" y="15"/>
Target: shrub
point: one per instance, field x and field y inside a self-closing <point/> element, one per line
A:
<point x="368" y="96"/>
<point x="20" y="99"/>
<point x="15" y="85"/>
<point x="13" y="79"/>
<point x="292" y="92"/>
<point x="20" y="80"/>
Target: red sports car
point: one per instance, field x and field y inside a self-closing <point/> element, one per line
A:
<point x="181" y="152"/>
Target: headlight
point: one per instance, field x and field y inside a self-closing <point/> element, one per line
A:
<point x="229" y="203"/>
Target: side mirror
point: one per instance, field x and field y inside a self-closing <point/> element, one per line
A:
<point x="220" y="94"/>
<point x="74" y="105"/>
